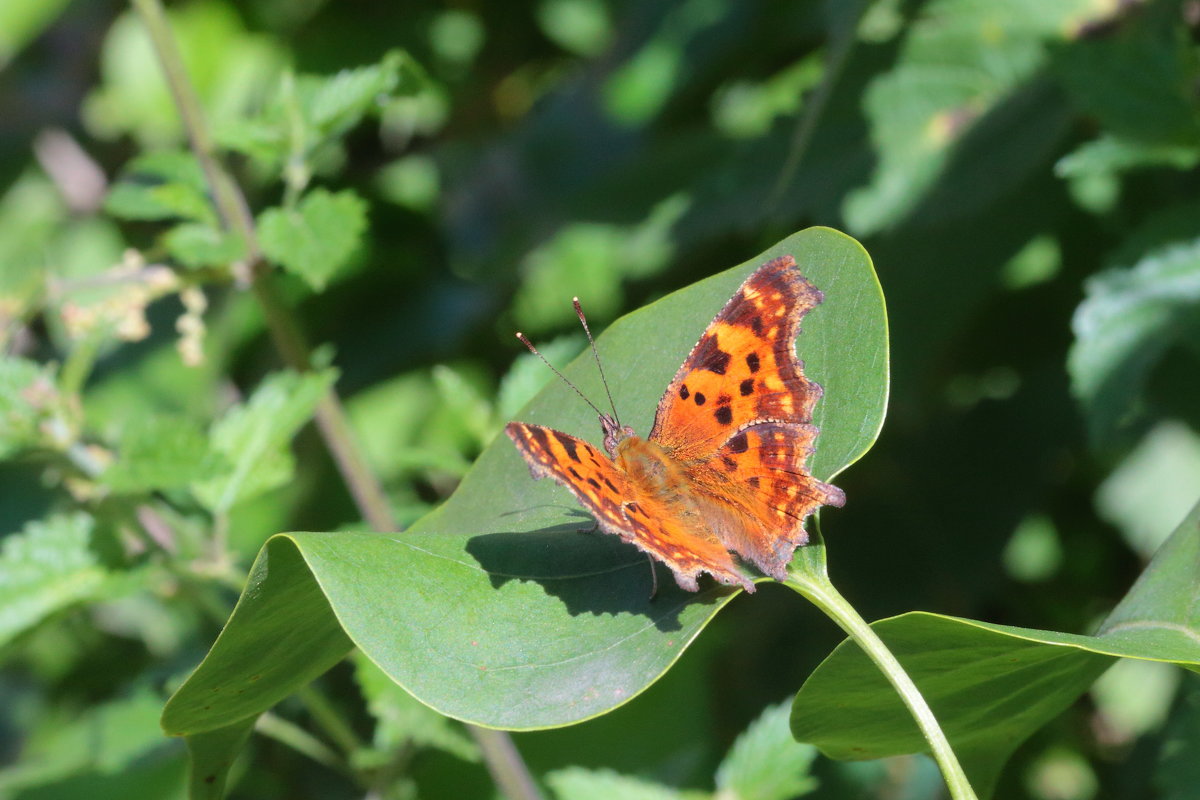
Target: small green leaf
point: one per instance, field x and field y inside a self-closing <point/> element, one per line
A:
<point x="335" y="104"/>
<point x="200" y="245"/>
<point x="161" y="453"/>
<point x="27" y="391"/>
<point x="401" y="719"/>
<point x="576" y="783"/>
<point x="252" y="438"/>
<point x="161" y="185"/>
<point x="991" y="686"/>
<point x="317" y="238"/>
<point x="766" y="762"/>
<point x="1125" y="323"/>
<point x="46" y="568"/>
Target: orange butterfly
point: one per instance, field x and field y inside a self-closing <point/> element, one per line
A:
<point x="724" y="466"/>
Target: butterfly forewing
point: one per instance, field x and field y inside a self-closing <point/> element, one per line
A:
<point x="744" y="368"/>
<point x="619" y="508"/>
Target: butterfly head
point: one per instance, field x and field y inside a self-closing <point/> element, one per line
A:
<point x="614" y="432"/>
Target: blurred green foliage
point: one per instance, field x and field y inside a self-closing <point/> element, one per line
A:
<point x="428" y="178"/>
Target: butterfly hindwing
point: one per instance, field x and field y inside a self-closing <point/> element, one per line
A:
<point x="619" y="508"/>
<point x="765" y="492"/>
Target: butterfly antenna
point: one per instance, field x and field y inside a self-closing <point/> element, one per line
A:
<point x="599" y="366"/>
<point x="525" y="341"/>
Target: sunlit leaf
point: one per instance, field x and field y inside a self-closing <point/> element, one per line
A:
<point x="317" y="238"/>
<point x="252" y="439"/>
<point x="495" y="608"/>
<point x="45" y="568"/>
<point x="1125" y="323"/>
<point x="991" y="686"/>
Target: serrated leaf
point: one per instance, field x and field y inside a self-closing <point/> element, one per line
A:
<point x="161" y="453"/>
<point x="1125" y="323"/>
<point x="200" y="245"/>
<point x="317" y="238"/>
<point x="494" y="608"/>
<point x="576" y="783"/>
<point x="46" y="568"/>
<point x="991" y="686"/>
<point x="766" y="762"/>
<point x="337" y="103"/>
<point x="960" y="60"/>
<point x="161" y="185"/>
<point x="252" y="438"/>
<point x="310" y="112"/>
<point x="401" y="719"/>
<point x="26" y="390"/>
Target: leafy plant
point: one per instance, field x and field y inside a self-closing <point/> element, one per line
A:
<point x="407" y="186"/>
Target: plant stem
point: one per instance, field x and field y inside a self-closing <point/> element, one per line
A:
<point x="821" y="593"/>
<point x="329" y="718"/>
<point x="504" y="762"/>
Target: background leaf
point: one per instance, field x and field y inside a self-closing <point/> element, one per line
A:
<point x="315" y="239"/>
<point x="45" y="568"/>
<point x="991" y="686"/>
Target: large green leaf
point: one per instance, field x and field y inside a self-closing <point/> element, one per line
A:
<point x="991" y="686"/>
<point x="495" y="609"/>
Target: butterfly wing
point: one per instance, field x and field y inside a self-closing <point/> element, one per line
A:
<point x="737" y="416"/>
<point x="643" y="520"/>
<point x="757" y="492"/>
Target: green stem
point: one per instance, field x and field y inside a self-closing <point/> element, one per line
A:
<point x="504" y="763"/>
<point x="298" y="739"/>
<point x="821" y="593"/>
<point x="503" y="760"/>
<point x="330" y="720"/>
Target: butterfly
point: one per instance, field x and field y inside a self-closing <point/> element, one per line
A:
<point x="723" y="468"/>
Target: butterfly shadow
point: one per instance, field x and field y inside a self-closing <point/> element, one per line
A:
<point x="590" y="572"/>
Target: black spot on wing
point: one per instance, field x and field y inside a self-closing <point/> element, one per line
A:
<point x="609" y="484"/>
<point x="724" y="415"/>
<point x="568" y="444"/>
<point x="738" y="443"/>
<point x="746" y="387"/>
<point x="752" y="362"/>
<point x="753" y="481"/>
<point x="683" y="392"/>
<point x="700" y="398"/>
<point x="710" y="356"/>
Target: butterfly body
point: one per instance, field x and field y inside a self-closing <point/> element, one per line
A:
<point x="724" y="465"/>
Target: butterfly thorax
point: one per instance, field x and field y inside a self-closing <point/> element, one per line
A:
<point x="650" y="469"/>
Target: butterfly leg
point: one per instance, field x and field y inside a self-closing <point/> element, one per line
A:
<point x="595" y="526"/>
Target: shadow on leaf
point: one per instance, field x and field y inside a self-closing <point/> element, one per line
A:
<point x="590" y="572"/>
